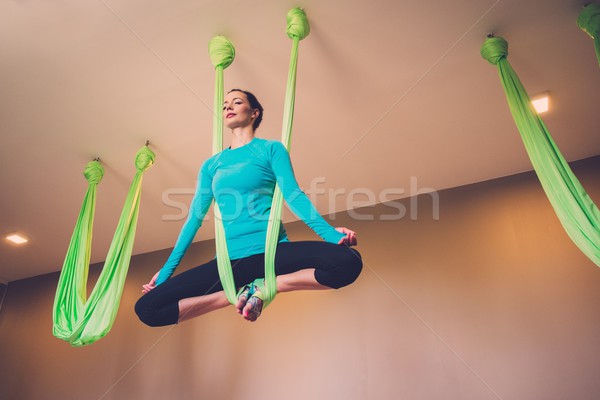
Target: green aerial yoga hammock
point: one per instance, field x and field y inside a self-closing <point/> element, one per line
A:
<point x="76" y="320"/>
<point x="577" y="212"/>
<point x="222" y="53"/>
<point x="589" y="22"/>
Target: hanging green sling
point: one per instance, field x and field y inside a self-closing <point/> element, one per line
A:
<point x="577" y="212"/>
<point x="222" y="53"/>
<point x="589" y="22"/>
<point x="75" y="319"/>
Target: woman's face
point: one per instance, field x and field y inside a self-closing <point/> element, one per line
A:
<point x="237" y="111"/>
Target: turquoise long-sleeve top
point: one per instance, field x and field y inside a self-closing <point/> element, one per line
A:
<point x="242" y="182"/>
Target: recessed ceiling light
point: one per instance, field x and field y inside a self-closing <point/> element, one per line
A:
<point x="16" y="238"/>
<point x="541" y="102"/>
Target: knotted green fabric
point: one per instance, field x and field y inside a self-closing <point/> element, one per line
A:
<point x="297" y="24"/>
<point x="77" y="320"/>
<point x="577" y="212"/>
<point x="589" y="22"/>
<point x="221" y="52"/>
<point x="297" y="29"/>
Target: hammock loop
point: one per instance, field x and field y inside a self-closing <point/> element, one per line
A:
<point x="144" y="159"/>
<point x="589" y="20"/>
<point x="494" y="49"/>
<point x="576" y="211"/>
<point x="221" y="51"/>
<point x="297" y="24"/>
<point x="78" y="318"/>
<point x="93" y="172"/>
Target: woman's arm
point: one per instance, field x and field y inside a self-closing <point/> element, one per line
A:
<point x="297" y="200"/>
<point x="198" y="209"/>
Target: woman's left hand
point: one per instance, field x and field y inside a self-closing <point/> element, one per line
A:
<point x="349" y="239"/>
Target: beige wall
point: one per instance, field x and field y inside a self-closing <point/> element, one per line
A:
<point x="491" y="301"/>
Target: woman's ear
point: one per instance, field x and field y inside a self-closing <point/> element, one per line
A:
<point x="255" y="113"/>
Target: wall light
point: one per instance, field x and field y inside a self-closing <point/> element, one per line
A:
<point x="541" y="102"/>
<point x="17" y="238"/>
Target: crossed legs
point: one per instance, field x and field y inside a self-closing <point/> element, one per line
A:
<point x="298" y="265"/>
<point x="192" y="307"/>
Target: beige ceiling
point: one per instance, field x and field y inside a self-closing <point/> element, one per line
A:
<point x="389" y="93"/>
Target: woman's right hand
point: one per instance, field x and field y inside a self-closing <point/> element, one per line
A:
<point x="151" y="285"/>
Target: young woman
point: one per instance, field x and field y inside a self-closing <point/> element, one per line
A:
<point x="242" y="180"/>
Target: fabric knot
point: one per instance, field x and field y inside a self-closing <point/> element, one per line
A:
<point x="589" y="20"/>
<point x="221" y="51"/>
<point x="144" y="159"/>
<point x="494" y="49"/>
<point x="297" y="24"/>
<point x="93" y="172"/>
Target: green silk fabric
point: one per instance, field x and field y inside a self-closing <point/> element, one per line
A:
<point x="297" y="29"/>
<point x="222" y="53"/>
<point x="576" y="211"/>
<point x="589" y="22"/>
<point x="75" y="319"/>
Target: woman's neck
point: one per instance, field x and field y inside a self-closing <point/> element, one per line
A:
<point x="241" y="136"/>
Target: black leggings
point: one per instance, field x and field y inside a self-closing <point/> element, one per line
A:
<point x="335" y="266"/>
